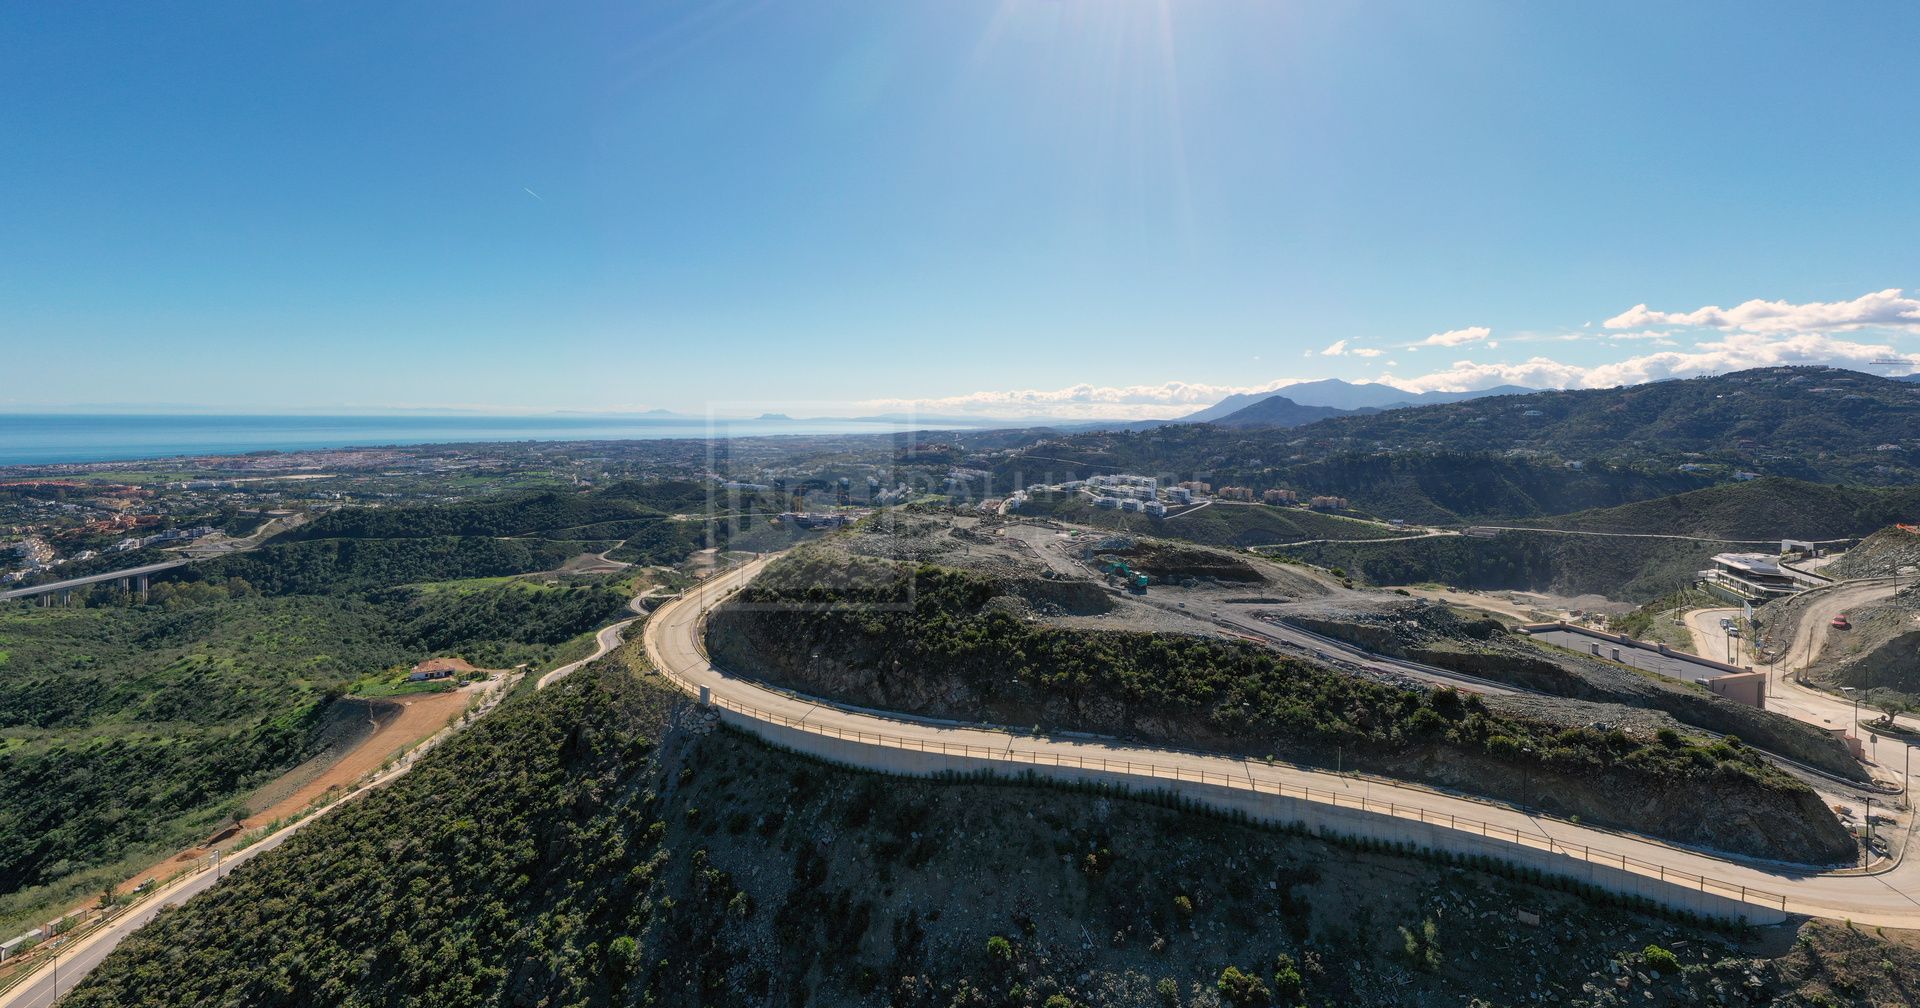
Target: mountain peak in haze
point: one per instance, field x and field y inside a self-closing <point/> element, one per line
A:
<point x="1341" y="395"/>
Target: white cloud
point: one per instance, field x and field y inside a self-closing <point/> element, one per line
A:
<point x="1458" y="337"/>
<point x="1646" y="336"/>
<point x="1341" y="348"/>
<point x="1885" y="309"/>
<point x="1736" y="352"/>
<point x="1078" y="402"/>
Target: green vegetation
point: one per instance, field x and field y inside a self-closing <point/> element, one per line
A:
<point x="1217" y="524"/>
<point x="863" y="616"/>
<point x="1658" y="621"/>
<point x="1508" y="457"/>
<point x="131" y="730"/>
<point x="1531" y="561"/>
<point x="1814" y="423"/>
<point x="577" y="848"/>
<point x="135" y="727"/>
<point x="1766" y="510"/>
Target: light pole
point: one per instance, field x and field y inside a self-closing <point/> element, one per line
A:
<point x="1526" y="776"/>
<point x="1867" y="855"/>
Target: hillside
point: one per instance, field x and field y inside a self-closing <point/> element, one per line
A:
<point x="131" y="730"/>
<point x="1427" y="487"/>
<point x="1219" y="524"/>
<point x="1885" y="553"/>
<point x="1542" y="453"/>
<point x="1770" y="508"/>
<point x="587" y="846"/>
<point x="1814" y="423"/>
<point x="1626" y="569"/>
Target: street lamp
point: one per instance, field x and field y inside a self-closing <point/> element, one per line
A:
<point x="1526" y="776"/>
<point x="1868" y="853"/>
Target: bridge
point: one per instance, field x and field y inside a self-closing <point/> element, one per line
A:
<point x="135" y="578"/>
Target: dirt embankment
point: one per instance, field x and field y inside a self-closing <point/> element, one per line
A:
<point x="1880" y="651"/>
<point x="1882" y="554"/>
<point x="1173" y="562"/>
<point x="390" y="726"/>
<point x="1734" y="811"/>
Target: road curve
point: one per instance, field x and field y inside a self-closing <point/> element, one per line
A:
<point x="609" y="637"/>
<point x="675" y="645"/>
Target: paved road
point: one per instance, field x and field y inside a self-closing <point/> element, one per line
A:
<point x="605" y="641"/>
<point x="674" y="644"/>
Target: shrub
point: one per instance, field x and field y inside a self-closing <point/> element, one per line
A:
<point x="1423" y="946"/>
<point x="1183" y="906"/>
<point x="1000" y="949"/>
<point x="1286" y="978"/>
<point x="1660" y="960"/>
<point x="1243" y="990"/>
<point x="1168" y="990"/>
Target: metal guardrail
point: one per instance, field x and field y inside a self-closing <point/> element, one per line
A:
<point x="1154" y="771"/>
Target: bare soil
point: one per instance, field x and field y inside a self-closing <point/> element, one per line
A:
<point x="400" y="724"/>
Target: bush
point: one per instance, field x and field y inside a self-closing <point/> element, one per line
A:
<point x="1423" y="946"/>
<point x="1286" y="979"/>
<point x="1660" y="960"/>
<point x="1243" y="990"/>
<point x="999" y="949"/>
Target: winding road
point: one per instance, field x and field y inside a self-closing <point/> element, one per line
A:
<point x="675" y="645"/>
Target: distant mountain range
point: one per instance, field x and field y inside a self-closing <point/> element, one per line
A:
<point x="1305" y="402"/>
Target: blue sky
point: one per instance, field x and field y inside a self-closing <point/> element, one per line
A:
<point x="1101" y="208"/>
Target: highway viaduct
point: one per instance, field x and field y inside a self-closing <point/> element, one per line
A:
<point x="133" y="578"/>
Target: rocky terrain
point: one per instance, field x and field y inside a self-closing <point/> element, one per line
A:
<point x="1887" y="552"/>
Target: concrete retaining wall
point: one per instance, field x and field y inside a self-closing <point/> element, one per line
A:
<point x="1624" y="641"/>
<point x="1317" y="816"/>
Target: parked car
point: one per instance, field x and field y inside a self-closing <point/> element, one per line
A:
<point x="1840" y="622"/>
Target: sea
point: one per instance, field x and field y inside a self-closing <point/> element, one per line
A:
<point x="49" y="438"/>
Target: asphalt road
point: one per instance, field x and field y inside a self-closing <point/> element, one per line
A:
<point x="674" y="644"/>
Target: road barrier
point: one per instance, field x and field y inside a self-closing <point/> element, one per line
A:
<point x="1267" y="801"/>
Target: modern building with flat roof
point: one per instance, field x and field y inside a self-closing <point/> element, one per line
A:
<point x="1752" y="577"/>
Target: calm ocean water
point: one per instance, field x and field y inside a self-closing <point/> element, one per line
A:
<point x="27" y="439"/>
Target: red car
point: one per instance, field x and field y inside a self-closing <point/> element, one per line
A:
<point x="1840" y="622"/>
